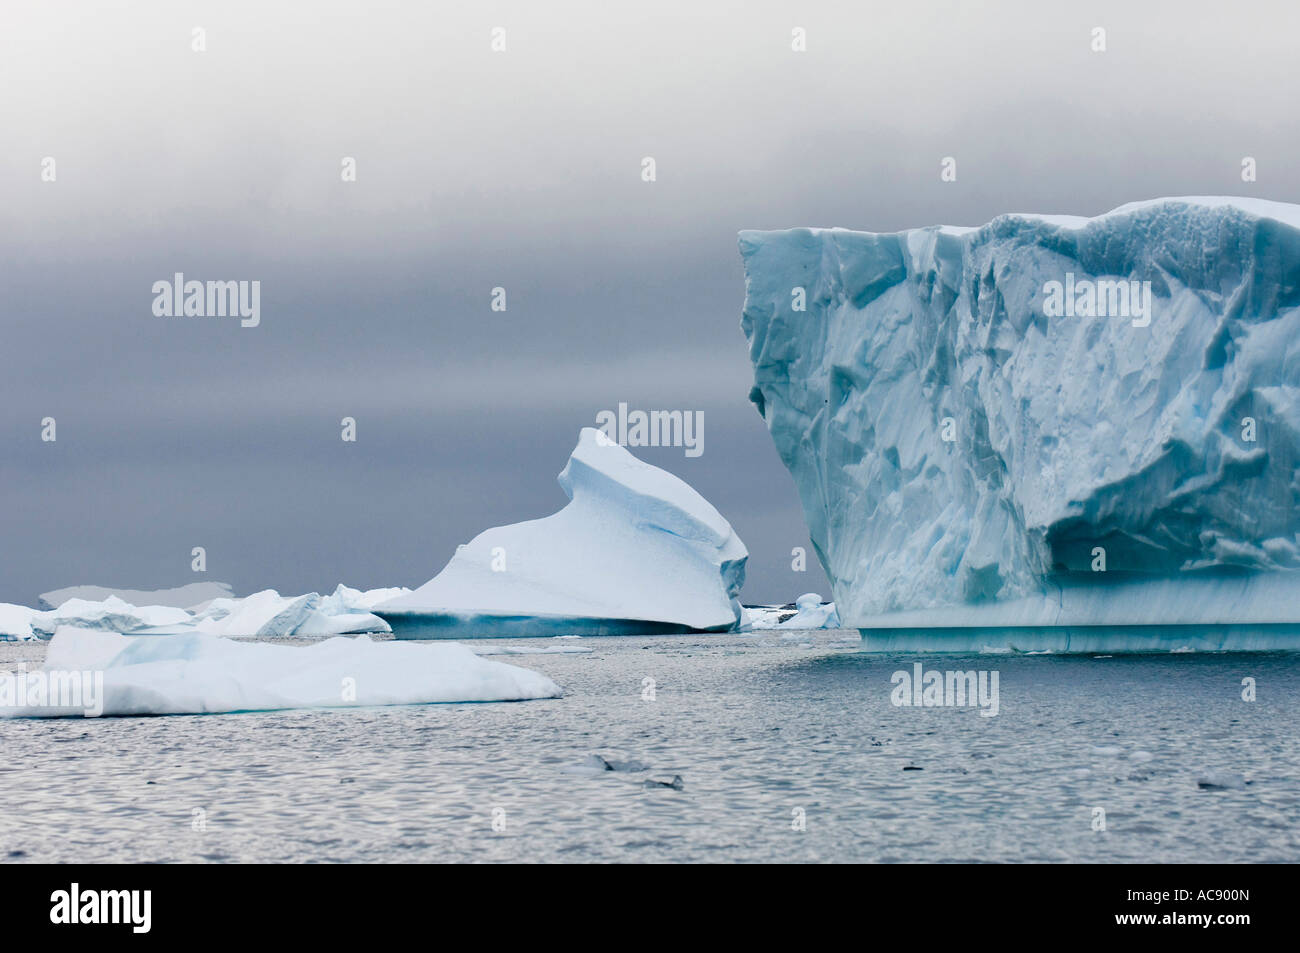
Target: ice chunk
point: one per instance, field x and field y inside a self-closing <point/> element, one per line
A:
<point x="636" y="550"/>
<point x="675" y="782"/>
<point x="1215" y="780"/>
<point x="967" y="460"/>
<point x="596" y="764"/>
<point x="195" y="673"/>
<point x="182" y="597"/>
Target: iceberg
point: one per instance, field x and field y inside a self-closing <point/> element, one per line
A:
<point x="109" y="615"/>
<point x="265" y="614"/>
<point x="806" y="612"/>
<point x="201" y="674"/>
<point x="1083" y="428"/>
<point x="182" y="597"/>
<point x="345" y="599"/>
<point x="636" y="550"/>
<point x="16" y="623"/>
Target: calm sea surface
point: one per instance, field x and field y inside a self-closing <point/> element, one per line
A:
<point x="787" y="747"/>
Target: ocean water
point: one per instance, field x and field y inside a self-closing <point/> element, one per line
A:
<point x="788" y="748"/>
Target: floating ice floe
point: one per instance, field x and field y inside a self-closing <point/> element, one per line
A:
<point x="971" y="459"/>
<point x="1214" y="780"/>
<point x="197" y="674"/>
<point x="806" y="612"/>
<point x="636" y="550"/>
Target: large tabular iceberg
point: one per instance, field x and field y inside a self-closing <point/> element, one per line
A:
<point x="110" y="674"/>
<point x="997" y="426"/>
<point x="636" y="550"/>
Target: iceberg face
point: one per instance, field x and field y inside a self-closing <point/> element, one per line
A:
<point x="1011" y="417"/>
<point x="197" y="674"/>
<point x="635" y="551"/>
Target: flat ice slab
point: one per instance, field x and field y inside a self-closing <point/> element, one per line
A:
<point x="199" y="674"/>
<point x="635" y="551"/>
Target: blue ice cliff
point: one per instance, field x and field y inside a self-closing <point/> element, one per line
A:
<point x="1049" y="423"/>
<point x="636" y="550"/>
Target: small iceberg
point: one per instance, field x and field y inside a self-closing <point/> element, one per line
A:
<point x="201" y="674"/>
<point x="806" y="612"/>
<point x="595" y="764"/>
<point x="636" y="550"/>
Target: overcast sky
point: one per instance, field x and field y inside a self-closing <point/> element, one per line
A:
<point x="519" y="169"/>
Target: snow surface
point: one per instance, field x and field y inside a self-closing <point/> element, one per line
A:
<point x="1067" y="434"/>
<point x="636" y="550"/>
<point x="197" y="674"/>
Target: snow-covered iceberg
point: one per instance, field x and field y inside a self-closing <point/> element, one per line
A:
<point x="636" y="550"/>
<point x="1007" y="426"/>
<point x="806" y="612"/>
<point x="198" y="674"/>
